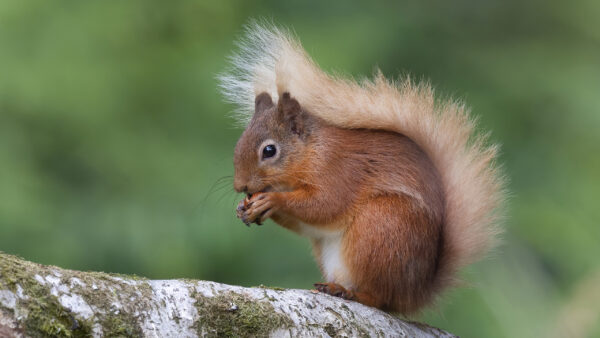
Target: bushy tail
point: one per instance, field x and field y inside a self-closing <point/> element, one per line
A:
<point x="271" y="60"/>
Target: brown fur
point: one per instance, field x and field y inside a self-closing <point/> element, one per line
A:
<point x="378" y="186"/>
<point x="403" y="175"/>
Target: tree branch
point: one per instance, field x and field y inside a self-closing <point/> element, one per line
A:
<point x="37" y="300"/>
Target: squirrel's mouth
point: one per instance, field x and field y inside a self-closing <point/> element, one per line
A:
<point x="266" y="189"/>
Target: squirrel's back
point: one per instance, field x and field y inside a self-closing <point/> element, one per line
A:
<point x="272" y="61"/>
<point x="380" y="162"/>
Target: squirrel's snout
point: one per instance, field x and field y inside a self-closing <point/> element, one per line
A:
<point x="239" y="186"/>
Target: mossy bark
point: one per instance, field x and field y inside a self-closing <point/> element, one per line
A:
<point x="43" y="301"/>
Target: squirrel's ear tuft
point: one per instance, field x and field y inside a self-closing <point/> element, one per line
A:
<point x="262" y="102"/>
<point x="291" y="113"/>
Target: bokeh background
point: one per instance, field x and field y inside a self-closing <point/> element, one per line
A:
<point x="116" y="147"/>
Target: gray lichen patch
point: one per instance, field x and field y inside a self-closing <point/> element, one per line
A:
<point x="231" y="314"/>
<point x="114" y="319"/>
<point x="118" y="302"/>
<point x="44" y="315"/>
<point x="9" y="326"/>
<point x="103" y="294"/>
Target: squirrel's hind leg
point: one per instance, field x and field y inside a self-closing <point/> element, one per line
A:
<point x="391" y="250"/>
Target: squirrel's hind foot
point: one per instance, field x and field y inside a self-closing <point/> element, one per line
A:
<point x="335" y="290"/>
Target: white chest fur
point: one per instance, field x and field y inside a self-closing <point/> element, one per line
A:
<point x="332" y="261"/>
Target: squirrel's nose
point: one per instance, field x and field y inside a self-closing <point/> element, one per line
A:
<point x="240" y="187"/>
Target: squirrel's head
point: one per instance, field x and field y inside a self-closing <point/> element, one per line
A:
<point x="272" y="145"/>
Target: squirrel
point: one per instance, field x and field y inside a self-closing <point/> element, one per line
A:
<point x="394" y="188"/>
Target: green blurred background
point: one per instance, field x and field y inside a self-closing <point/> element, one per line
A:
<point x="115" y="145"/>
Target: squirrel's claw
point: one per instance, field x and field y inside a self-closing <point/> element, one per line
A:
<point x="241" y="211"/>
<point x="335" y="290"/>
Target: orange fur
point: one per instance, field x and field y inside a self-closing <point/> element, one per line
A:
<point x="393" y="187"/>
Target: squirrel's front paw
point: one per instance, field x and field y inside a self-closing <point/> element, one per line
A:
<point x="241" y="208"/>
<point x="257" y="208"/>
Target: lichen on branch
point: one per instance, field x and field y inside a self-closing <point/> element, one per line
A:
<point x="41" y="301"/>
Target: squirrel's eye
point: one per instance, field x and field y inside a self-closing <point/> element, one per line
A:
<point x="269" y="151"/>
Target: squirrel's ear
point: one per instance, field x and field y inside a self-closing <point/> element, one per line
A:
<point x="291" y="113"/>
<point x="262" y="102"/>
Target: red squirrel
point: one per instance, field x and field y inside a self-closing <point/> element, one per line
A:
<point x="394" y="189"/>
